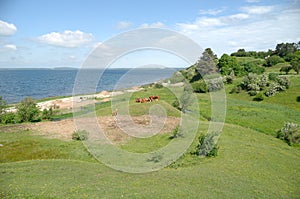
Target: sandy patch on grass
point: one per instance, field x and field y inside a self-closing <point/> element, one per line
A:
<point x="64" y="129"/>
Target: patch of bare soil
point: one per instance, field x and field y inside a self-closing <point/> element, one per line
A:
<point x="115" y="128"/>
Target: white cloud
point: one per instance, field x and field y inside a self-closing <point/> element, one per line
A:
<point x="252" y="1"/>
<point x="68" y="39"/>
<point x="206" y="22"/>
<point x="10" y="47"/>
<point x="7" y="29"/>
<point x="211" y="11"/>
<point x="259" y="32"/>
<point x="95" y="45"/>
<point x="257" y="9"/>
<point x="153" y="25"/>
<point x="124" y="25"/>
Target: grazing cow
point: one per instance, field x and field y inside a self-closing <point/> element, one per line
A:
<point x="138" y="100"/>
<point x="144" y="100"/>
<point x="154" y="97"/>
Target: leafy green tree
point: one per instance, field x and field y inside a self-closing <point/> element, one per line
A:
<point x="200" y="86"/>
<point x="273" y="60"/>
<point x="286" y="69"/>
<point x="295" y="62"/>
<point x="284" y="49"/>
<point x="228" y="64"/>
<point x="240" y="53"/>
<point x="251" y="67"/>
<point x="27" y="111"/>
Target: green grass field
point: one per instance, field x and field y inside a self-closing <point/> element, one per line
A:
<point x="251" y="162"/>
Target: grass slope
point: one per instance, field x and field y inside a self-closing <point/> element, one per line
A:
<point x="249" y="165"/>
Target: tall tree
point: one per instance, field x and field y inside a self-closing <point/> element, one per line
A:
<point x="207" y="63"/>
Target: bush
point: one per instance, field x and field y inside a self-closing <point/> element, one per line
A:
<point x="273" y="60"/>
<point x="285" y="69"/>
<point x="3" y="105"/>
<point x="228" y="79"/>
<point x="215" y="84"/>
<point x="273" y="76"/>
<point x="252" y="67"/>
<point x="259" y="97"/>
<point x="80" y="135"/>
<point x="8" y="118"/>
<point x="272" y="90"/>
<point x="206" y="145"/>
<point x="249" y="82"/>
<point x="27" y="111"/>
<point x="200" y="87"/>
<point x="236" y="89"/>
<point x="283" y="81"/>
<point x="176" y="133"/>
<point x="290" y="133"/>
<point x="158" y="85"/>
<point x="176" y="104"/>
<point x="47" y="114"/>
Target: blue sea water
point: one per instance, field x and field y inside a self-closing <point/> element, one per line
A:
<point x="16" y="84"/>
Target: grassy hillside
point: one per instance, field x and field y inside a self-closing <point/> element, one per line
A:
<point x="249" y="165"/>
<point x="251" y="162"/>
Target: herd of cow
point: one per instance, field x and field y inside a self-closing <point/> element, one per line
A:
<point x="149" y="99"/>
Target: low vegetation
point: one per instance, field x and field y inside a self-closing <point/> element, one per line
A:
<point x="26" y="111"/>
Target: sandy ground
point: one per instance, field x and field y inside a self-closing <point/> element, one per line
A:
<point x="116" y="133"/>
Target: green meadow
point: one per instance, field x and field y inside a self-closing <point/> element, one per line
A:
<point x="251" y="161"/>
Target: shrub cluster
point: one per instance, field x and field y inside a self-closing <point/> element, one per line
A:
<point x="290" y="133"/>
<point x="255" y="85"/>
<point x="27" y="111"/>
<point x="209" y="85"/>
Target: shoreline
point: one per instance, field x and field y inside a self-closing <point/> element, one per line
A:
<point x="61" y="103"/>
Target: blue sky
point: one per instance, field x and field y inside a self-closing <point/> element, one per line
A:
<point x="56" y="33"/>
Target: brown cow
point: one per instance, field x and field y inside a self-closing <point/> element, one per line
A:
<point x="144" y="100"/>
<point x="154" y="97"/>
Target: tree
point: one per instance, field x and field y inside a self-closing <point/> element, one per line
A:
<point x="285" y="69"/>
<point x="251" y="67"/>
<point x="27" y="110"/>
<point x="212" y="54"/>
<point x="295" y="62"/>
<point x="207" y="63"/>
<point x="240" y="53"/>
<point x="227" y="64"/>
<point x="273" y="60"/>
<point x="284" y="49"/>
